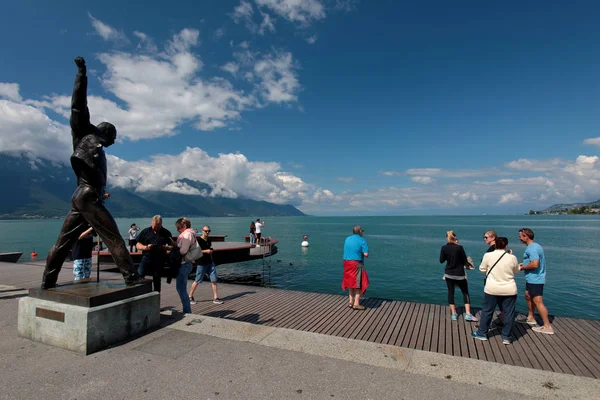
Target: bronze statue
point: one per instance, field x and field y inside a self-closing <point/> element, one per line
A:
<point x="87" y="204"/>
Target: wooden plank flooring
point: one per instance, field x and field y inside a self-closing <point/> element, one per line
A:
<point x="574" y="349"/>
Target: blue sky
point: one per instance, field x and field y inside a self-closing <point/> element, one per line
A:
<point x="337" y="107"/>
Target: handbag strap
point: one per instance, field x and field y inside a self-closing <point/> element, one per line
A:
<point x="490" y="271"/>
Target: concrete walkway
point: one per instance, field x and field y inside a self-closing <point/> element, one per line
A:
<point x="200" y="357"/>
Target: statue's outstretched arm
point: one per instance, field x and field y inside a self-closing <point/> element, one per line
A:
<point x="80" y="115"/>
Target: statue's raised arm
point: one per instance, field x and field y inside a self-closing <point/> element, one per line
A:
<point x="80" y="115"/>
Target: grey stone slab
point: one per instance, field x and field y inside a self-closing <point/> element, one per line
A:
<point x="89" y="293"/>
<point x="87" y="330"/>
<point x="174" y="344"/>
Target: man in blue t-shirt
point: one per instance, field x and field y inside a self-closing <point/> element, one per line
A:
<point x="534" y="266"/>
<point x="355" y="277"/>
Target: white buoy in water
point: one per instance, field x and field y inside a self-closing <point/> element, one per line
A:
<point x="305" y="241"/>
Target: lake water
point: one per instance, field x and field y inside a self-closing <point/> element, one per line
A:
<point x="404" y="253"/>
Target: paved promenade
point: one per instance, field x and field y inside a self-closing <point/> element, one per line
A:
<point x="219" y="357"/>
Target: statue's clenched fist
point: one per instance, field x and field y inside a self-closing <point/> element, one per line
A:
<point x="80" y="62"/>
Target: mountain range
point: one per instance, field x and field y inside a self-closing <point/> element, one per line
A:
<point x="561" y="208"/>
<point x="43" y="189"/>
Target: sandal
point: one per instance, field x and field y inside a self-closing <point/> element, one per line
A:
<point x="359" y="307"/>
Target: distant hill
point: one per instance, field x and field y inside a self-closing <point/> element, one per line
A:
<point x="45" y="191"/>
<point x="573" y="208"/>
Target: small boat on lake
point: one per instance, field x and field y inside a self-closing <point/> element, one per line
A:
<point x="10" y="257"/>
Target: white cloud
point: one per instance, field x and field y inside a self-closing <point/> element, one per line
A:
<point x="10" y="91"/>
<point x="266" y="24"/>
<point x="146" y="43"/>
<point x="510" y="198"/>
<point x="425" y="180"/>
<point x="303" y="12"/>
<point x="107" y="32"/>
<point x="229" y="175"/>
<point x="25" y="129"/>
<point x="219" y="33"/>
<point x="443" y="173"/>
<point x="592" y="141"/>
<point x="346" y="5"/>
<point x="161" y="90"/>
<point x="390" y="173"/>
<point x="231" y="67"/>
<point x="312" y="39"/>
<point x="279" y="82"/>
<point x="182" y="188"/>
<point x="525" y="164"/>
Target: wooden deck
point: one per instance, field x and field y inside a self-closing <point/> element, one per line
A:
<point x="574" y="349"/>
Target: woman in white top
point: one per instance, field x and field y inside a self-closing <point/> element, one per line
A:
<point x="500" y="288"/>
<point x="185" y="241"/>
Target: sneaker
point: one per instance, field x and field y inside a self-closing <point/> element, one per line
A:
<point x="258" y="245"/>
<point x="469" y="317"/>
<point x="543" y="329"/>
<point x="192" y="300"/>
<point x="218" y="301"/>
<point x="531" y="322"/>
<point x="474" y="335"/>
<point x="454" y="317"/>
<point x="506" y="341"/>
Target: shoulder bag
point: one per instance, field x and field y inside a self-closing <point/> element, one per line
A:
<point x="490" y="270"/>
<point x="194" y="252"/>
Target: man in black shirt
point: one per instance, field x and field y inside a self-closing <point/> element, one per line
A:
<point x="205" y="265"/>
<point x="154" y="242"/>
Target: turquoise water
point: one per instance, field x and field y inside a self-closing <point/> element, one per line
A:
<point x="404" y="253"/>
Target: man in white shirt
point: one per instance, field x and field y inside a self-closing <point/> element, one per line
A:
<point x="258" y="225"/>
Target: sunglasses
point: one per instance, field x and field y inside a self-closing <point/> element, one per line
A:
<point x="485" y="237"/>
<point x="207" y="231"/>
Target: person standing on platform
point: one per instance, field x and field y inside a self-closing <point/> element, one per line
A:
<point x="355" y="277"/>
<point x="455" y="257"/>
<point x="258" y="225"/>
<point x="534" y="266"/>
<point x="133" y="232"/>
<point x="205" y="265"/>
<point x="185" y="241"/>
<point x="490" y="239"/>
<point x="82" y="255"/>
<point x="499" y="267"/>
<point x="252" y="233"/>
<point x="154" y="242"/>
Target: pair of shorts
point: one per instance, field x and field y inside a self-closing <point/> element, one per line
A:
<point x="209" y="269"/>
<point x="82" y="269"/>
<point x="535" y="289"/>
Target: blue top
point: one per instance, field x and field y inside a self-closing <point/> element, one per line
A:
<point x="535" y="252"/>
<point x="354" y="248"/>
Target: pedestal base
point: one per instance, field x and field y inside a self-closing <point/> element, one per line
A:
<point x="59" y="317"/>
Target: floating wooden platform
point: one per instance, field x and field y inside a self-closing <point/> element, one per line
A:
<point x="224" y="252"/>
<point x="574" y="349"/>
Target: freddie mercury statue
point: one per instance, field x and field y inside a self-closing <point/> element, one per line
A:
<point x="87" y="204"/>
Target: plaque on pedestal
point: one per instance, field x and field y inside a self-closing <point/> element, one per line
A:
<point x="88" y="316"/>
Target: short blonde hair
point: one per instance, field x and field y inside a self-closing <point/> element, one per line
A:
<point x="451" y="237"/>
<point x="181" y="222"/>
<point x="157" y="218"/>
<point x="492" y="234"/>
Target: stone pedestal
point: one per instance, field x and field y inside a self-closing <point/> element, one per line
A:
<point x="87" y="316"/>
